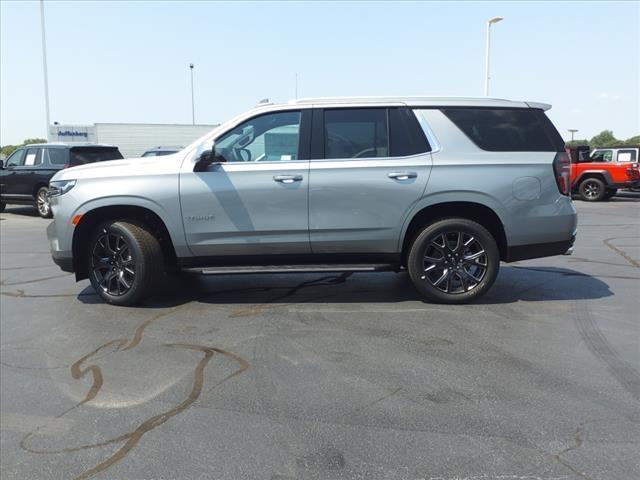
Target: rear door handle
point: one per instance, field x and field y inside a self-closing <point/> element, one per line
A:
<point x="288" y="178"/>
<point x="402" y="175"/>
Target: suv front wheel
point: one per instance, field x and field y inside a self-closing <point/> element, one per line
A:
<point x="125" y="262"/>
<point x="453" y="260"/>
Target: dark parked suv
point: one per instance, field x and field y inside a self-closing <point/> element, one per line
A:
<point x="25" y="175"/>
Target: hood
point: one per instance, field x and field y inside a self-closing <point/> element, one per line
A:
<point x="127" y="167"/>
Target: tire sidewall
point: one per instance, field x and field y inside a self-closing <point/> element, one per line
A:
<point x="423" y="239"/>
<point x="141" y="281"/>
<point x="49" y="213"/>
<point x="597" y="182"/>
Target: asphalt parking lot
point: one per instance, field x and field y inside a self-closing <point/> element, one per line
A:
<point x="327" y="376"/>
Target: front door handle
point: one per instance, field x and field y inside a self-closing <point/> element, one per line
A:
<point x="402" y="175"/>
<point x="288" y="178"/>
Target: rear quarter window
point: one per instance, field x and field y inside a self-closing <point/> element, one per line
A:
<point x="507" y="129"/>
<point x="82" y="155"/>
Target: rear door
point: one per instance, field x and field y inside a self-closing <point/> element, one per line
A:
<point x="26" y="175"/>
<point x="368" y="166"/>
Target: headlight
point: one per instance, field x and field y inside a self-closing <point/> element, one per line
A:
<point x="60" y="187"/>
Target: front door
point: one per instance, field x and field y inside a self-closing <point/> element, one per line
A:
<point x="9" y="185"/>
<point x="368" y="167"/>
<point x="255" y="202"/>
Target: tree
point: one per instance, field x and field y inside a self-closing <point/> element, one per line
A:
<point x="9" y="149"/>
<point x="577" y="143"/>
<point x="604" y="139"/>
<point x="633" y="140"/>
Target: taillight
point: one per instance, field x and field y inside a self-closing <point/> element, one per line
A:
<point x="633" y="173"/>
<point x="562" y="172"/>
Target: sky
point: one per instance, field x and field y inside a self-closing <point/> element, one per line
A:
<point x="126" y="61"/>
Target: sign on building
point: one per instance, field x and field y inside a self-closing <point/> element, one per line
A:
<point x="73" y="133"/>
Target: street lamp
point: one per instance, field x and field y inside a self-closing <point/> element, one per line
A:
<point x="193" y="108"/>
<point x="572" y="131"/>
<point x="488" y="48"/>
<point x="44" y="68"/>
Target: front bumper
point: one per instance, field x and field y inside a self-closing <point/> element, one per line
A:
<point x="61" y="257"/>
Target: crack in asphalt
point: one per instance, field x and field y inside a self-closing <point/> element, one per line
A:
<point x="132" y="438"/>
<point x="621" y="252"/>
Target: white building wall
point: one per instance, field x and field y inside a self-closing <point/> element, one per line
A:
<point x="133" y="139"/>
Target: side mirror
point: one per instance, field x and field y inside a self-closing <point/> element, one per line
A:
<point x="208" y="157"/>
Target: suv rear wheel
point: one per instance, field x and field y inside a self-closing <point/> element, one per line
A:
<point x="453" y="260"/>
<point x="592" y="189"/>
<point x="125" y="262"/>
<point x="42" y="203"/>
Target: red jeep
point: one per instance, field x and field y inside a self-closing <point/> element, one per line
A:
<point x="599" y="175"/>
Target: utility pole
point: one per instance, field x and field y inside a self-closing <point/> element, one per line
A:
<point x="296" y="92"/>
<point x="44" y="68"/>
<point x="488" y="53"/>
<point x="572" y="131"/>
<point x="193" y="105"/>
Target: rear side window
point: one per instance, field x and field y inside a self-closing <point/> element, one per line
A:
<point x="405" y="135"/>
<point x="33" y="157"/>
<point x="507" y="129"/>
<point x="356" y="133"/>
<point x="58" y="156"/>
<point x="82" y="155"/>
<point x="627" y="156"/>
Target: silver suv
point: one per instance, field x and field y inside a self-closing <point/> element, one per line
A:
<point x="444" y="188"/>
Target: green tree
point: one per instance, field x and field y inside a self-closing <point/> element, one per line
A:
<point x="29" y="141"/>
<point x="633" y="140"/>
<point x="577" y="143"/>
<point x="9" y="149"/>
<point x="604" y="139"/>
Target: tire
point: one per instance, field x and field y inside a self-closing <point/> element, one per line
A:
<point x="592" y="190"/>
<point x="125" y="262"/>
<point x="444" y="241"/>
<point x="609" y="193"/>
<point x="42" y="203"/>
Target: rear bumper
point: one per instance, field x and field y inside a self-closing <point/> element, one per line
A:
<point x="629" y="184"/>
<point x="538" y="250"/>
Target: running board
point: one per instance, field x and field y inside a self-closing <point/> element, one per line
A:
<point x="382" y="267"/>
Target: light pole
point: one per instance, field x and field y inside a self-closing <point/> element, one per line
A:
<point x="572" y="131"/>
<point x="44" y="68"/>
<point x="488" y="51"/>
<point x="193" y="107"/>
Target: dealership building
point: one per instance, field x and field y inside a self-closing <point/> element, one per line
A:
<point x="133" y="139"/>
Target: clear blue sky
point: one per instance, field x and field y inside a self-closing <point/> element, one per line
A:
<point x="128" y="61"/>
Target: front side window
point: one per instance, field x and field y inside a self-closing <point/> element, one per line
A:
<point x="602" y="156"/>
<point x="627" y="155"/>
<point x="356" y="133"/>
<point x="15" y="159"/>
<point x="33" y="157"/>
<point x="272" y="137"/>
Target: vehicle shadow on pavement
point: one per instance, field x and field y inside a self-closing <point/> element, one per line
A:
<point x="515" y="283"/>
<point x="21" y="210"/>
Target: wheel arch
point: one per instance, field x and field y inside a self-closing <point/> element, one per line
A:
<point x="477" y="212"/>
<point x="599" y="174"/>
<point x="91" y="219"/>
